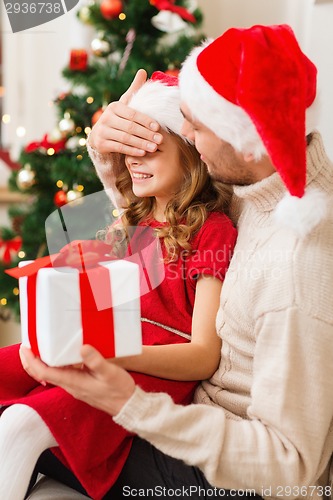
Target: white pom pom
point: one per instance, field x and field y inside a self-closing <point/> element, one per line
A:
<point x="302" y="214"/>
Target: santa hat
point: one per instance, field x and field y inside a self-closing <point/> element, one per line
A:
<point x="159" y="98"/>
<point x="255" y="89"/>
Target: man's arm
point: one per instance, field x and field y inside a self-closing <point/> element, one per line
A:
<point x="280" y="445"/>
<point x="287" y="437"/>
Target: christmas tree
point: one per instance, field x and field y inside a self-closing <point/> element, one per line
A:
<point x="55" y="170"/>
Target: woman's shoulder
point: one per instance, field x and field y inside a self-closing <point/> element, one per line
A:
<point x="217" y="228"/>
<point x="218" y="218"/>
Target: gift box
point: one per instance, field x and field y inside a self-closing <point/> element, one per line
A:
<point x="62" y="308"/>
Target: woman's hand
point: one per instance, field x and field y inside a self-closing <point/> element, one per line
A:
<point x="121" y="129"/>
<point x="101" y="384"/>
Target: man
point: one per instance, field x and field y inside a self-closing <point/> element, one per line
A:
<point x="263" y="422"/>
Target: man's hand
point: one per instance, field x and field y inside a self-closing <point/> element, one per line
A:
<point x="121" y="129"/>
<point x="99" y="383"/>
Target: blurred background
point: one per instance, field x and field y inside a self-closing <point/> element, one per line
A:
<point x="56" y="78"/>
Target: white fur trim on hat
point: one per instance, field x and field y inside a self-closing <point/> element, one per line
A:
<point x="162" y="103"/>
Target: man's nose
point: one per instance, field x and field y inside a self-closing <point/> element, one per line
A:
<point x="187" y="130"/>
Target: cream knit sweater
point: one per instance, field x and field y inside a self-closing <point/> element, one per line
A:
<point x="264" y="420"/>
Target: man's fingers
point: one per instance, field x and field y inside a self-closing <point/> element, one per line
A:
<point x="139" y="79"/>
<point x="25" y="355"/>
<point x="124" y="143"/>
<point x="41" y="372"/>
<point x="133" y="121"/>
<point x="129" y="133"/>
<point x="33" y="365"/>
<point x="96" y="364"/>
<point x="92" y="358"/>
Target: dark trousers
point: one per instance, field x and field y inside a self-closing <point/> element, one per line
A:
<point x="147" y="473"/>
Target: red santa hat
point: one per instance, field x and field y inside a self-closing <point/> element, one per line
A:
<point x="255" y="89"/>
<point x="159" y="98"/>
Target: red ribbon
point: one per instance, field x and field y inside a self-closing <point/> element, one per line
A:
<point x="45" y="144"/>
<point x="169" y="5"/>
<point x="85" y="257"/>
<point x="94" y="321"/>
<point x="9" y="248"/>
<point x="32" y="316"/>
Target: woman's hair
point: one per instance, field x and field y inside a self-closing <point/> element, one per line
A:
<point x="185" y="213"/>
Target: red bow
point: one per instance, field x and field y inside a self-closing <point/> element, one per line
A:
<point x="169" y="5"/>
<point x="46" y="144"/>
<point x="9" y="249"/>
<point x="81" y="254"/>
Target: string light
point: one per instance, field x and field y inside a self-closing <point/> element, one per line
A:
<point x="20" y="131"/>
<point x="16" y="291"/>
<point x="3" y="301"/>
<point x="79" y="157"/>
<point x="90" y="100"/>
<point x="122" y="16"/>
<point x="6" y="118"/>
<point x="78" y="129"/>
<point x="21" y="254"/>
<point x="59" y="183"/>
<point x="80" y="188"/>
<point x="87" y="130"/>
<point x="50" y="151"/>
<point x="82" y="141"/>
<point x="115" y="212"/>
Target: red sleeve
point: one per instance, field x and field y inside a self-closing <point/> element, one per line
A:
<point x="213" y="247"/>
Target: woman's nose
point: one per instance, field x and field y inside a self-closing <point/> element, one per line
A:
<point x="132" y="160"/>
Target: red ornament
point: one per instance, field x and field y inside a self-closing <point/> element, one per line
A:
<point x="78" y="60"/>
<point x="60" y="198"/>
<point x="63" y="95"/>
<point x="96" y="116"/>
<point x="111" y="8"/>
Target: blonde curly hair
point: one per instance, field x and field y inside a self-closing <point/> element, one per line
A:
<point x="185" y="213"/>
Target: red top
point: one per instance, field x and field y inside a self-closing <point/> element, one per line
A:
<point x="90" y="443"/>
<point x="172" y="302"/>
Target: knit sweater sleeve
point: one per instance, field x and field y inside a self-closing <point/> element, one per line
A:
<point x="108" y="166"/>
<point x="281" y="443"/>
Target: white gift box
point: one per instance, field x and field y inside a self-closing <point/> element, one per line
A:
<point x="59" y="330"/>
